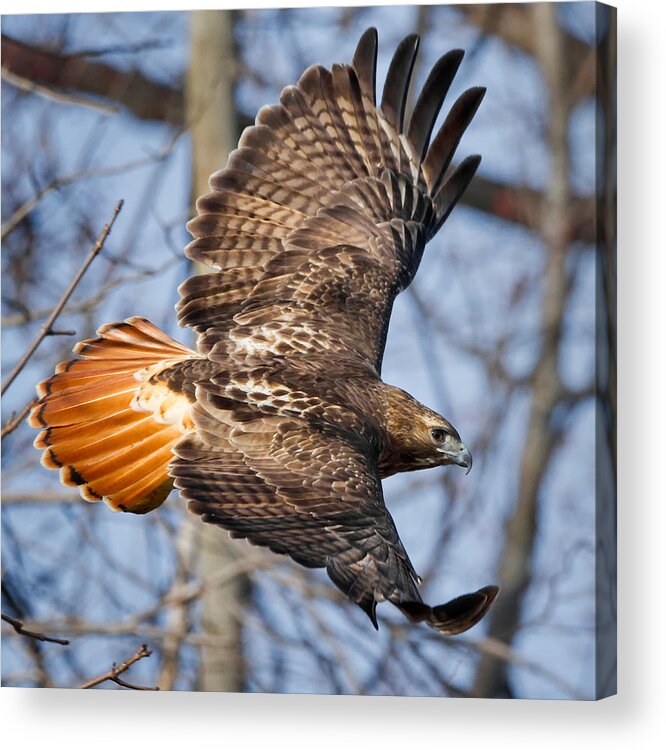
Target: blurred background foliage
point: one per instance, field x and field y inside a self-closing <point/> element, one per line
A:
<point x="497" y="333"/>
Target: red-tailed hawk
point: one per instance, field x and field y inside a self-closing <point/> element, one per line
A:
<point x="278" y="427"/>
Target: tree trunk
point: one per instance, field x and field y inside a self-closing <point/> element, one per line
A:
<point x="515" y="566"/>
<point x="211" y="112"/>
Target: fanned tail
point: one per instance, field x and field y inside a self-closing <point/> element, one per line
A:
<point x="106" y="424"/>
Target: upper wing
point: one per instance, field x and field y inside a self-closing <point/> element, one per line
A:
<point x="322" y="213"/>
<point x="312" y="493"/>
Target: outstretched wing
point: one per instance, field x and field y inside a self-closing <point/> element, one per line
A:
<point x="320" y="218"/>
<point x="312" y="493"/>
<point x="317" y="222"/>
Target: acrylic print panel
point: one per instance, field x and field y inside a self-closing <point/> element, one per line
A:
<point x="269" y="414"/>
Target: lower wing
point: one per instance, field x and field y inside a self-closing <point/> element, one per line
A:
<point x="312" y="494"/>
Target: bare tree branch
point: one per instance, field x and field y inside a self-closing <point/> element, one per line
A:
<point x="512" y="22"/>
<point x="524" y="205"/>
<point x="25" y="498"/>
<point x="89" y="304"/>
<point x="24" y="210"/>
<point x="113" y="674"/>
<point x="18" y="627"/>
<point x="30" y="87"/>
<point x="143" y="97"/>
<point x="15" y="419"/>
<point x="516" y="204"/>
<point x="47" y="328"/>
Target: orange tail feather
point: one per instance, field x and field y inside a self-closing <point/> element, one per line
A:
<point x="92" y="429"/>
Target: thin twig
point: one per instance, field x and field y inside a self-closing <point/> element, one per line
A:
<point x="30" y="87"/>
<point x="18" y="627"/>
<point x="86" y="305"/>
<point x="120" y="49"/>
<point x="131" y="685"/>
<point x="47" y="328"/>
<point x="27" y="498"/>
<point x="113" y="674"/>
<point x="29" y="205"/>
<point x="15" y="419"/>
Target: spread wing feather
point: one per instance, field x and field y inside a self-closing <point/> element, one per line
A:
<point x="324" y="168"/>
<point x="284" y="485"/>
<point x="318" y="221"/>
<point x="313" y="493"/>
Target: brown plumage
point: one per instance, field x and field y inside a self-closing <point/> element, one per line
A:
<point x="279" y="427"/>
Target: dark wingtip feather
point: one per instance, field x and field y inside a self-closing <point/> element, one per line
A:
<point x="365" y="61"/>
<point x="457" y="615"/>
<point x="370" y="609"/>
<point x="430" y="100"/>
<point x="415" y="611"/>
<point x="450" y="192"/>
<point x="463" y="612"/>
<point x="479" y="91"/>
<point x="398" y="77"/>
<point x="446" y="141"/>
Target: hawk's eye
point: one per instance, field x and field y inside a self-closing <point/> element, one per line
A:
<point x="438" y="434"/>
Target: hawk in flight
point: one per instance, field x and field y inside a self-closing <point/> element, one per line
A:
<point x="279" y="427"/>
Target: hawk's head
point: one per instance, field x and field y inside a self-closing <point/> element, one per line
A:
<point x="421" y="438"/>
<point x="448" y="446"/>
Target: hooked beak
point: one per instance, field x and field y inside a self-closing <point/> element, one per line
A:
<point x="461" y="457"/>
